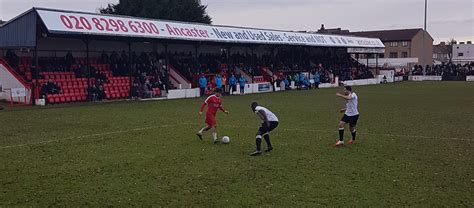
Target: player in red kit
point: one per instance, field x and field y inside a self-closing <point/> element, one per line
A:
<point x="213" y="103"/>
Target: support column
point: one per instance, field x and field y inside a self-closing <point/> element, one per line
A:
<point x="367" y="56"/>
<point x="376" y="61"/>
<point x="167" y="68"/>
<point x="88" y="67"/>
<point x="131" y="71"/>
<point x="34" y="86"/>
<point x="253" y="63"/>
<point x="196" y="60"/>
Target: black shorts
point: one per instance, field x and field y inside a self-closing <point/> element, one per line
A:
<point x="264" y="129"/>
<point x="234" y="88"/>
<point x="351" y="120"/>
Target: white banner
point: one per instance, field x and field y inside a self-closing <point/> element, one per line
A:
<point x="84" y="23"/>
<point x="360" y="82"/>
<point x="389" y="74"/>
<point x="425" y="78"/>
<point x="470" y="78"/>
<point x="365" y="50"/>
<point x="18" y="92"/>
<point x="398" y="78"/>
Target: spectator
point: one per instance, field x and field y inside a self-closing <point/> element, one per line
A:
<point x="81" y="71"/>
<point x="44" y="91"/>
<point x="114" y="58"/>
<point x="202" y="84"/>
<point x="306" y="84"/>
<point x="232" y="84"/>
<point x="135" y="90"/>
<point x="147" y="90"/>
<point x="69" y="60"/>
<point x="93" y="93"/>
<point x="242" y="82"/>
<point x="282" y="85"/>
<point x="100" y="93"/>
<point x="317" y="80"/>
<point x="225" y="85"/>
<point x="12" y="59"/>
<point x="219" y="83"/>
<point x="104" y="58"/>
<point x="52" y="88"/>
<point x="301" y="79"/>
<point x="287" y="84"/>
<point x="296" y="80"/>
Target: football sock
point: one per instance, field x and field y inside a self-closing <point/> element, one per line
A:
<point x="203" y="130"/>
<point x="214" y="136"/>
<point x="353" y="135"/>
<point x="267" y="140"/>
<point x="258" y="142"/>
<point x="341" y="134"/>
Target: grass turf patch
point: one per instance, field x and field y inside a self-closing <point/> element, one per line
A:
<point x="414" y="148"/>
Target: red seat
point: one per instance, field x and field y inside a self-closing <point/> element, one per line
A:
<point x="56" y="99"/>
<point x="67" y="98"/>
<point x="50" y="99"/>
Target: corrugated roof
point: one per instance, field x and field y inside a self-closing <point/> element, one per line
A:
<point x="390" y="35"/>
<point x="441" y="49"/>
<point x="19" y="31"/>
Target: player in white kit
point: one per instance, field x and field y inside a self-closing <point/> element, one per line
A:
<point x="351" y="115"/>
<point x="269" y="122"/>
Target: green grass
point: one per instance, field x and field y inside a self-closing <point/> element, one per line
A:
<point x="415" y="148"/>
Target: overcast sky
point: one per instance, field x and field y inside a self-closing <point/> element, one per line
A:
<point x="446" y="18"/>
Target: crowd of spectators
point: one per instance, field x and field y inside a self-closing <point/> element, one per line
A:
<point x="49" y="88"/>
<point x="148" y="71"/>
<point x="12" y="58"/>
<point x="444" y="69"/>
<point x="287" y="62"/>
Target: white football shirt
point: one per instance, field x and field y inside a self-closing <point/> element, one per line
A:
<point x="351" y="105"/>
<point x="270" y="116"/>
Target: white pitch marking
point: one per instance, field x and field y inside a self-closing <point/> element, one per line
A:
<point x="164" y="126"/>
<point x="363" y="133"/>
<point x="92" y="135"/>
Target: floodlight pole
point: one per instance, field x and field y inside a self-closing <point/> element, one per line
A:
<point x="423" y="54"/>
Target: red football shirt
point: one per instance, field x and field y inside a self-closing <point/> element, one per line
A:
<point x="213" y="103"/>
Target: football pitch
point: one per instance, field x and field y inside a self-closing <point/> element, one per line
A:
<point x="414" y="148"/>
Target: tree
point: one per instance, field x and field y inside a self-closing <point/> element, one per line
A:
<point x="179" y="10"/>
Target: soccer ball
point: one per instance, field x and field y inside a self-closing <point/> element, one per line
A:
<point x="225" y="139"/>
